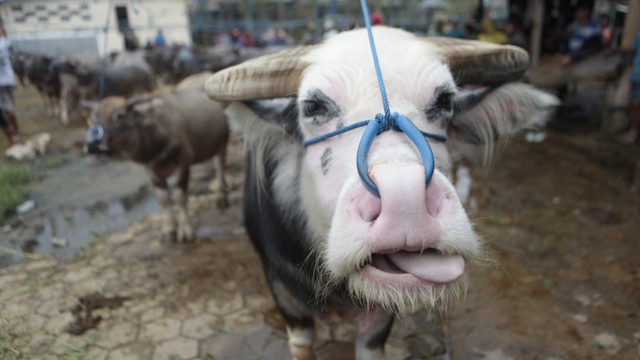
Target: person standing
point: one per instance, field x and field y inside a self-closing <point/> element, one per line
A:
<point x="455" y="31"/>
<point x="159" y="40"/>
<point x="633" y="134"/>
<point x="585" y="37"/>
<point x="516" y="35"/>
<point x="130" y="40"/>
<point x="8" y="119"/>
<point x="491" y="33"/>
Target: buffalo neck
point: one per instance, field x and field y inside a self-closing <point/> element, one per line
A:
<point x="151" y="144"/>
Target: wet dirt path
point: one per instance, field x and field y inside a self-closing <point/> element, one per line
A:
<point x="76" y="201"/>
<point x="561" y="217"/>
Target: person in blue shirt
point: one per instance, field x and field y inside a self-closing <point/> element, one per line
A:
<point x="8" y="121"/>
<point x="159" y="40"/>
<point x="585" y="37"/>
<point x="455" y="31"/>
<point x="632" y="135"/>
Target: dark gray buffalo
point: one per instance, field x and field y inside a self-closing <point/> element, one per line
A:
<point x="167" y="134"/>
<point x="326" y="241"/>
<point x="82" y="81"/>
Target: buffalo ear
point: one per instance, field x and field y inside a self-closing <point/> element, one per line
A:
<point x="141" y="113"/>
<point x="131" y="102"/>
<point x="282" y="112"/>
<point x="482" y="117"/>
<point x="144" y="105"/>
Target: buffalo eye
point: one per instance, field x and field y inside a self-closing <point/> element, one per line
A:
<point x="313" y="108"/>
<point x="445" y="102"/>
<point x="441" y="106"/>
<point x="317" y="108"/>
<point x="118" y="116"/>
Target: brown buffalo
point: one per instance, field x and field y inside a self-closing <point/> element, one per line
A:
<point x="167" y="133"/>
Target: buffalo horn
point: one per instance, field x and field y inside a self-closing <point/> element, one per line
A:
<point x="477" y="62"/>
<point x="269" y="76"/>
<point x="279" y="74"/>
<point x="138" y="100"/>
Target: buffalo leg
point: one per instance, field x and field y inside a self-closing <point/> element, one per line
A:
<point x="219" y="162"/>
<point x="64" y="109"/>
<point x="168" y="222"/>
<point x="184" y="231"/>
<point x="299" y="319"/>
<point x="374" y="326"/>
<point x="53" y="106"/>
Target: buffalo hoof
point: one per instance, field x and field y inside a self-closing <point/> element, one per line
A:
<point x="184" y="232"/>
<point x="222" y="203"/>
<point x="177" y="236"/>
<point x="301" y="352"/>
<point x="169" y="237"/>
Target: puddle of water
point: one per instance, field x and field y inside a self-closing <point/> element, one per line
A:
<point x="80" y="225"/>
<point x="77" y="226"/>
<point x="76" y="201"/>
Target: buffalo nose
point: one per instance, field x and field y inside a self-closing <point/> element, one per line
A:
<point x="91" y="147"/>
<point x="408" y="213"/>
<point x="404" y="192"/>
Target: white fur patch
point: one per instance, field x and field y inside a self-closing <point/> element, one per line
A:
<point x="301" y="343"/>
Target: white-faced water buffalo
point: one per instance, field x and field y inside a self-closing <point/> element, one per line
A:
<point x="166" y="133"/>
<point x="386" y="240"/>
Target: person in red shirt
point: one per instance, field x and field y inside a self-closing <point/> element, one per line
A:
<point x="376" y="18"/>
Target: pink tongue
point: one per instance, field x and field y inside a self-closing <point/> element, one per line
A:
<point x="429" y="267"/>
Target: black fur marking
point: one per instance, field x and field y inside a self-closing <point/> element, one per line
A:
<point x="468" y="99"/>
<point x="278" y="238"/>
<point x="318" y="107"/>
<point x="281" y="112"/>
<point x="377" y="340"/>
<point x="440" y="108"/>
<point x="281" y="241"/>
<point x="325" y="160"/>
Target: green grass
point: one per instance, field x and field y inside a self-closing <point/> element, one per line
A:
<point x="12" y="345"/>
<point x="12" y="179"/>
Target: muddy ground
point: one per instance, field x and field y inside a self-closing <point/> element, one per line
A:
<point x="561" y="216"/>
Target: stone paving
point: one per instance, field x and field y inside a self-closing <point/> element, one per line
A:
<point x="197" y="301"/>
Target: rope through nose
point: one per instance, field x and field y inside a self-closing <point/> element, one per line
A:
<point x="376" y="62"/>
<point x="95" y="133"/>
<point x="382" y="123"/>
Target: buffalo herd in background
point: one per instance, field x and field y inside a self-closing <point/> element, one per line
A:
<point x="147" y="106"/>
<point x="68" y="83"/>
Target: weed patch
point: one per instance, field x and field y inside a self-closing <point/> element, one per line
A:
<point x="12" y="179"/>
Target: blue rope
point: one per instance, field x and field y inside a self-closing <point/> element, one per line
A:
<point x="96" y="132"/>
<point x="337" y="132"/>
<point x="376" y="63"/>
<point x="382" y="123"/>
<point x="361" y="124"/>
<point x="103" y="65"/>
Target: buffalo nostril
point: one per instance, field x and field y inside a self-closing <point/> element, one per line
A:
<point x="434" y="199"/>
<point x="368" y="206"/>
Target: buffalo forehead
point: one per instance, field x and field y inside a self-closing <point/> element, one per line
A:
<point x="108" y="106"/>
<point x="344" y="70"/>
<point x="394" y="47"/>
